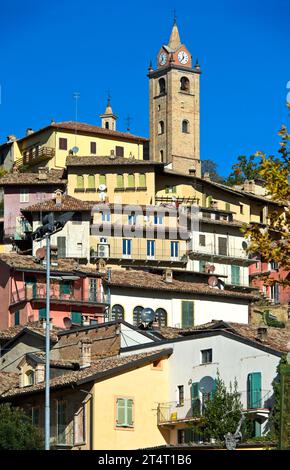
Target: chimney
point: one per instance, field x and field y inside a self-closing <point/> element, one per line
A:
<point x="246" y="186"/>
<point x="42" y="173"/>
<point x="168" y="275"/>
<point x="206" y="176"/>
<point x="11" y="138"/>
<point x="29" y="131"/>
<point x="58" y="197"/>
<point x="252" y="186"/>
<point x="262" y="333"/>
<point x="39" y="373"/>
<point x="85" y="353"/>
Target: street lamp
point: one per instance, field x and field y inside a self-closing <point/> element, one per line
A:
<point x="50" y="226"/>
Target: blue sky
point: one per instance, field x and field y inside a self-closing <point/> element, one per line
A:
<point x="50" y="49"/>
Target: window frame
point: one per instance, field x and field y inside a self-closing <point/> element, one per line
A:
<point x="125" y="425"/>
<point x="206" y="356"/>
<point x="62" y="143"/>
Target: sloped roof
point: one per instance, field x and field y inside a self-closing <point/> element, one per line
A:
<point x="99" y="369"/>
<point x="36" y="327"/>
<point x="54" y="177"/>
<point x="145" y="280"/>
<point x="68" y="203"/>
<point x="8" y="381"/>
<point x="72" y="160"/>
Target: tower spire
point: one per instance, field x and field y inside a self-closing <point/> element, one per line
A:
<point x="109" y="118"/>
<point x="174" y="40"/>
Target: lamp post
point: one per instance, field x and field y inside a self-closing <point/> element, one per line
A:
<point x="50" y="226"/>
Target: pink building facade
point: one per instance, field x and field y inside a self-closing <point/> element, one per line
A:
<point x="275" y="293"/>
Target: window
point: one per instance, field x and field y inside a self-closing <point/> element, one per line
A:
<point x="93" y="148"/>
<point x="132" y="219"/>
<point x="119" y="151"/>
<point x="228" y="206"/>
<point x="273" y="266"/>
<point x="241" y="209"/>
<point x="131" y="180"/>
<point x="184" y="84"/>
<point x="162" y="86"/>
<point x="174" y="249"/>
<point x="161" y="317"/>
<point x="187" y="435"/>
<point x="61" y="247"/>
<point x="76" y="317"/>
<point x="202" y="266"/>
<point x="117" y="312"/>
<point x="80" y="182"/>
<point x="65" y="287"/>
<point x="151" y="249"/>
<point x="170" y="189"/>
<point x="161" y="156"/>
<point x="91" y="182"/>
<point x="185" y="126"/>
<point x="62" y="143"/>
<point x="61" y="410"/>
<point x="24" y="195"/>
<point x="106" y="216"/>
<point x="222" y="246"/>
<point x="201" y="240"/>
<point x="206" y="356"/>
<point x="124" y="413"/>
<point x="158" y="219"/>
<point x="120" y="181"/>
<point x="93" y="290"/>
<point x="80" y="426"/>
<point x="137" y="315"/>
<point x="107" y="125"/>
<point x="17" y="318"/>
<point x="77" y="218"/>
<point x="187" y="313"/>
<point x="180" y="389"/>
<point x="29" y="377"/>
<point x="102" y="179"/>
<point x="275" y="293"/>
<point x="161" y="127"/>
<point x="35" y="415"/>
<point x="142" y="180"/>
<point x="235" y="275"/>
<point x="254" y="390"/>
<point x="127" y="244"/>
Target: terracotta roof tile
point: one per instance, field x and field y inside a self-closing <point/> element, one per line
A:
<point x="8" y="381"/>
<point x="145" y="280"/>
<point x="98" y="367"/>
<point x="72" y="160"/>
<point x="54" y="177"/>
<point x="68" y="203"/>
<point x="37" y="327"/>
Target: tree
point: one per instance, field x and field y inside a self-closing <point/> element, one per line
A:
<point x="222" y="413"/>
<point x="273" y="241"/>
<point x="245" y="169"/>
<point x="275" y="416"/>
<point x="16" y="430"/>
<point x="209" y="166"/>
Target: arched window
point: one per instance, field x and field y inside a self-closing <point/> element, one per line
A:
<point x="161" y="317"/>
<point x="161" y="86"/>
<point x="185" y="126"/>
<point x="107" y="125"/>
<point x="29" y="377"/>
<point x="184" y="84"/>
<point x="117" y="312"/>
<point x="161" y="127"/>
<point x="161" y="156"/>
<point x="91" y="181"/>
<point x="80" y="182"/>
<point x="137" y="315"/>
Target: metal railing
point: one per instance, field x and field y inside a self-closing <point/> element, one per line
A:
<point x="174" y="411"/>
<point x="139" y="255"/>
<point x="31" y="292"/>
<point x="210" y="249"/>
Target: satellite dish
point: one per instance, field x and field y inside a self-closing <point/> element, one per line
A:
<point x="102" y="187"/>
<point x="206" y="385"/>
<point x="147" y="315"/>
<point x="244" y="245"/>
<point x="75" y="149"/>
<point x="102" y="196"/>
<point x="213" y="281"/>
<point x="40" y="253"/>
<point x="67" y="322"/>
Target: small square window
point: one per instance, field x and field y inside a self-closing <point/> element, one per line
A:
<point x="206" y="356"/>
<point x="201" y="240"/>
<point x="62" y="143"/>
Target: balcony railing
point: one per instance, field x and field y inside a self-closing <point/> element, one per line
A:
<point x="139" y="256"/>
<point x="76" y="296"/>
<point x="211" y="250"/>
<point x="175" y="412"/>
<point x="38" y="153"/>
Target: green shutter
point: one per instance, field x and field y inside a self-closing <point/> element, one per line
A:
<point x="195" y="402"/>
<point x="142" y="180"/>
<point x="80" y="182"/>
<point x="254" y="389"/>
<point x="76" y="317"/>
<point x="91" y="182"/>
<point x="131" y="180"/>
<point x="129" y="412"/>
<point x="235" y="275"/>
<point x="212" y="393"/>
<point x="202" y="266"/>
<point x="187" y="314"/>
<point x="209" y="200"/>
<point x="16" y="318"/>
<point x="121" y="420"/>
<point x="120" y="181"/>
<point x="42" y="313"/>
<point x="102" y="179"/>
<point x="65" y="287"/>
<point x="257" y="428"/>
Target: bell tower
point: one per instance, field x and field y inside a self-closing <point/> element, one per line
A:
<point x="109" y="118"/>
<point x="174" y="107"/>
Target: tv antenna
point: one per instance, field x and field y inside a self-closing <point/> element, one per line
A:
<point x="76" y="96"/>
<point x="128" y="122"/>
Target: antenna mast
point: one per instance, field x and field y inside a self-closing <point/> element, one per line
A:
<point x="76" y="96"/>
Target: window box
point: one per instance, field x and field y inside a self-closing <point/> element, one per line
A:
<point x="119" y="190"/>
<point x="141" y="188"/>
<point x="91" y="190"/>
<point x="79" y="190"/>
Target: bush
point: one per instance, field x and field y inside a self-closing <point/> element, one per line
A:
<point x="16" y="430"/>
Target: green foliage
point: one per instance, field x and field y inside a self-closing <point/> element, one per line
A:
<point x="16" y="430"/>
<point x="222" y="413"/>
<point x="245" y="169"/>
<point x="3" y="172"/>
<point x="270" y="322"/>
<point x="209" y="166"/>
<point x="275" y="416"/>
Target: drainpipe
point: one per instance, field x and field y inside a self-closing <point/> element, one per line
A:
<point x="91" y="396"/>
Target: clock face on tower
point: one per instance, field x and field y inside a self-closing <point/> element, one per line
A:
<point x="182" y="57"/>
<point x="162" y="58"/>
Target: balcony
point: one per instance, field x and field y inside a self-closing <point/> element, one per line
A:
<point x="37" y="154"/>
<point x="225" y="254"/>
<point x="22" y="230"/>
<point x="159" y="258"/>
<point x="37" y="294"/>
<point x="258" y="402"/>
<point x="172" y="413"/>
